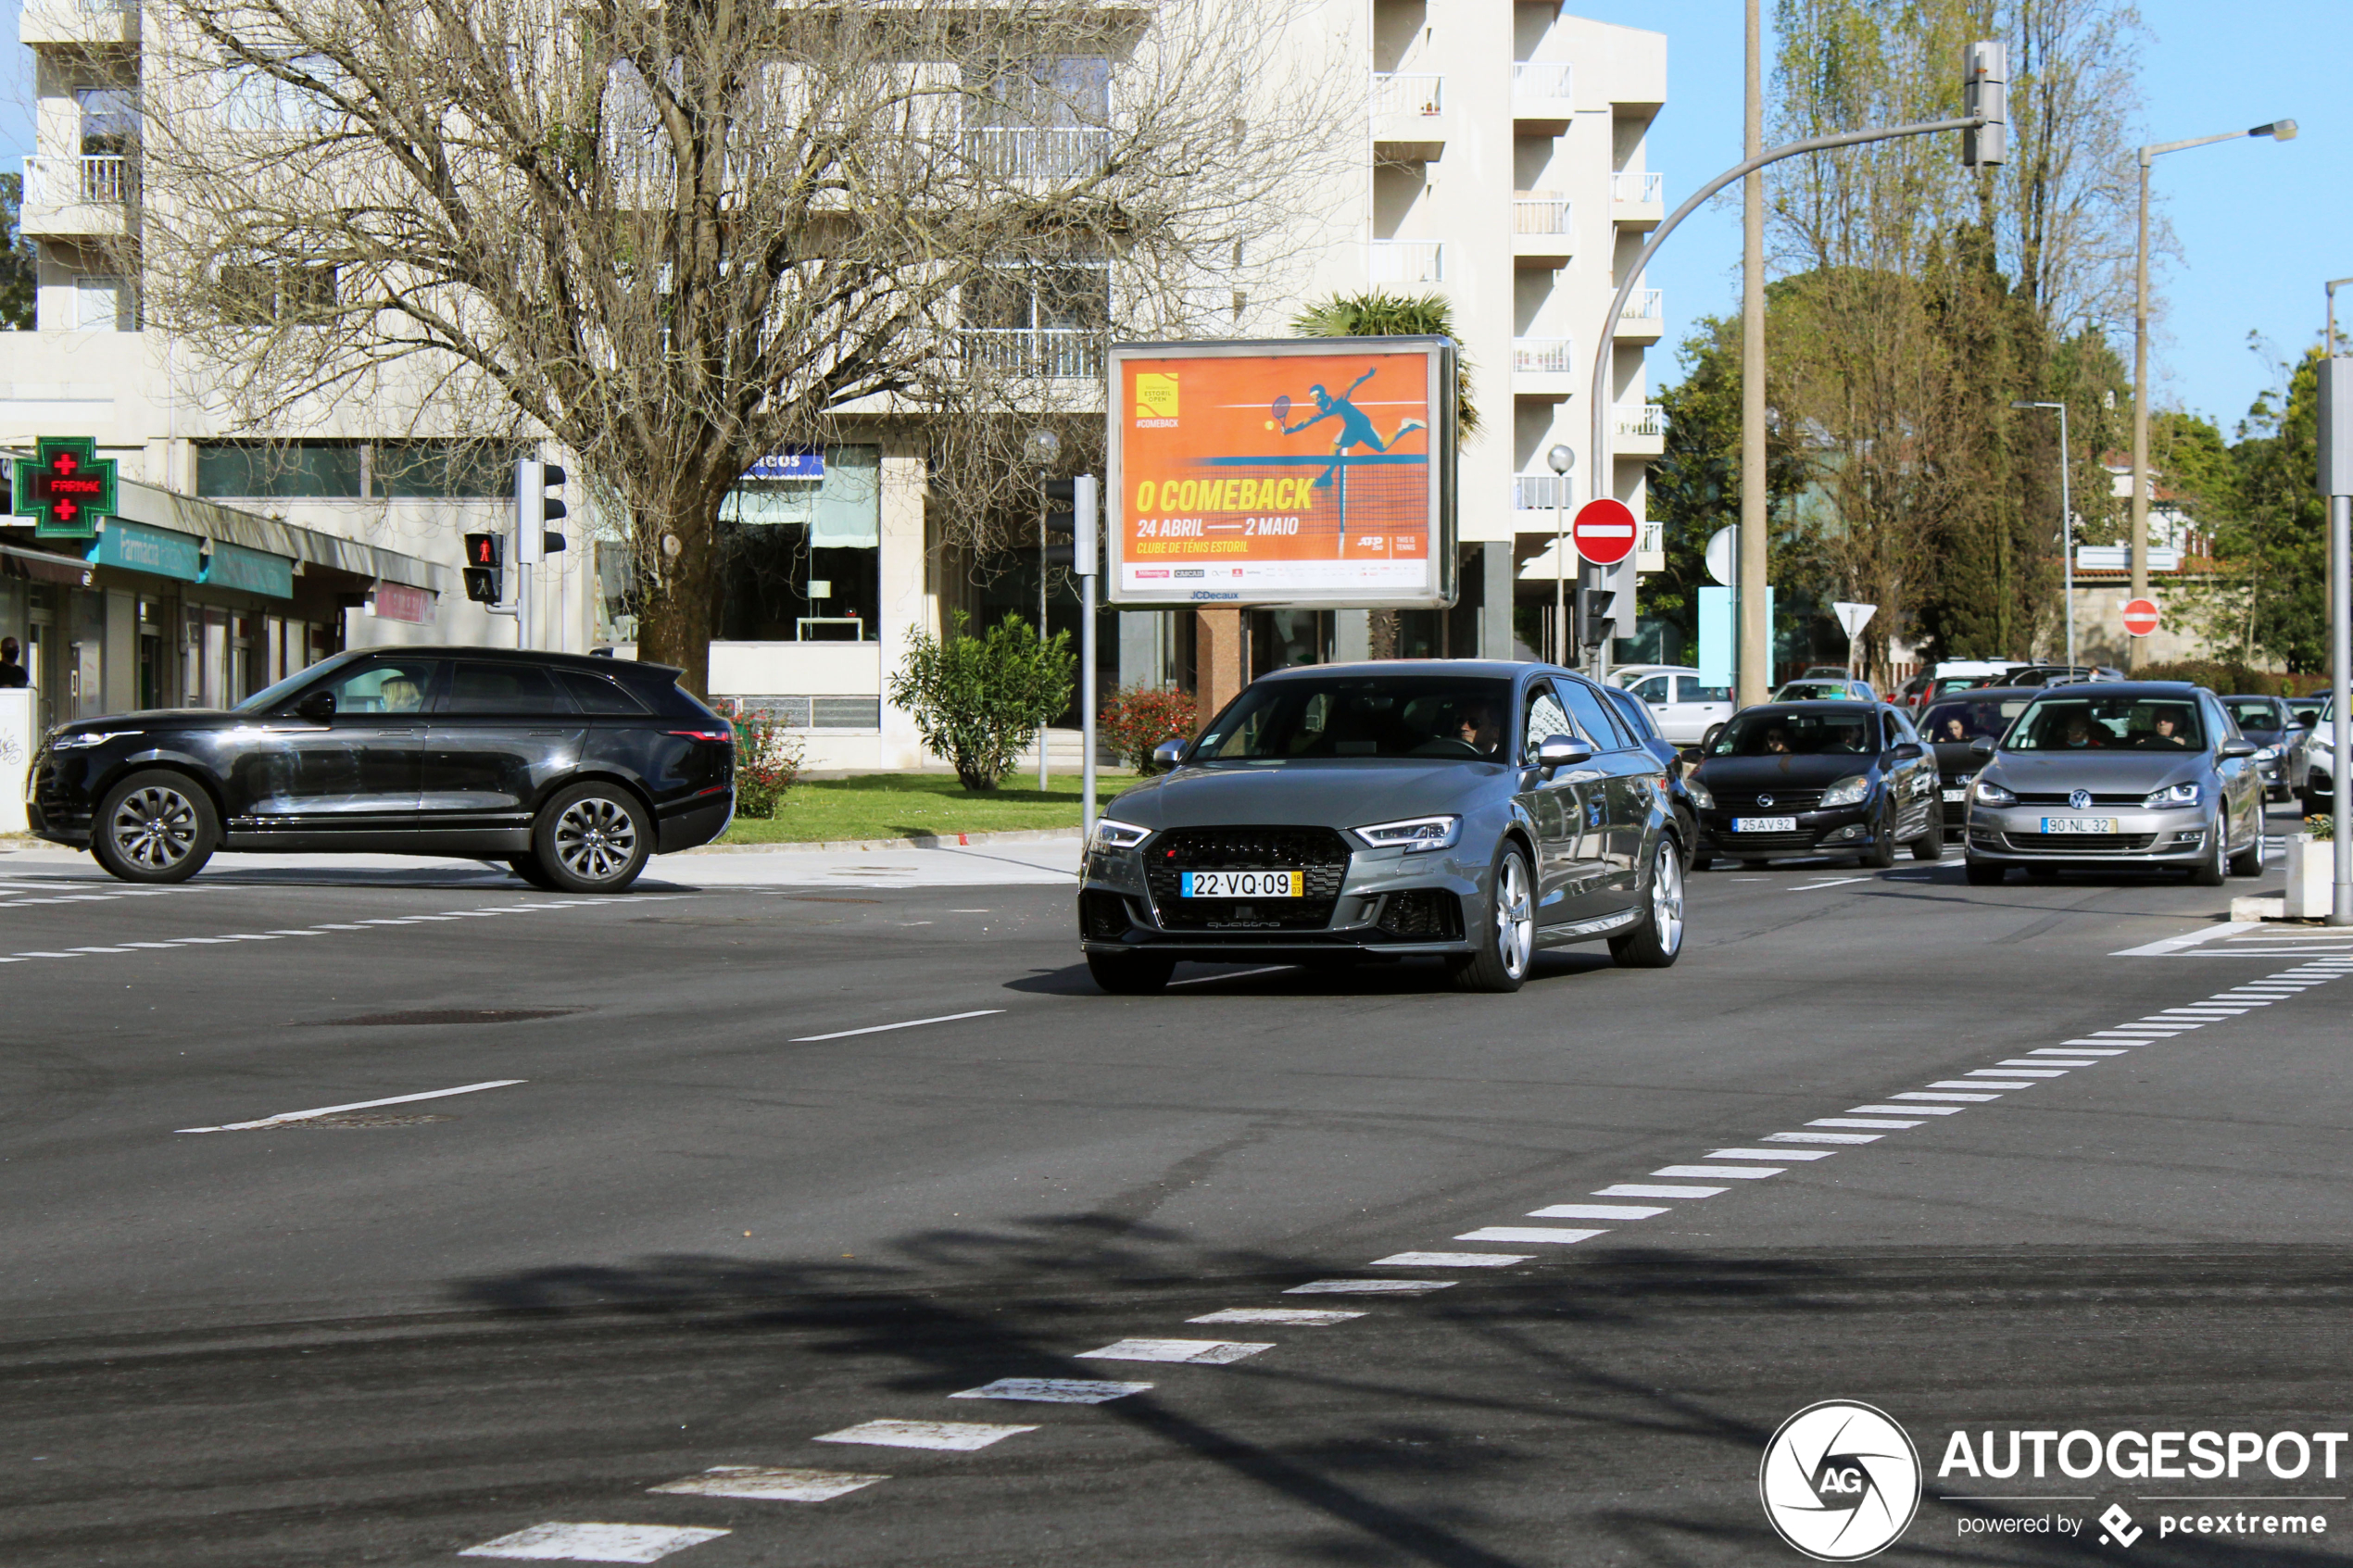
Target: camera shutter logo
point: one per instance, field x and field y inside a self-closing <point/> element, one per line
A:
<point x="1839" y="1481"/>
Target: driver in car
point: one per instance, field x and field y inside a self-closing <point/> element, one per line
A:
<point x="401" y="695"/>
<point x="1477" y="728"/>
<point x="2169" y="734"/>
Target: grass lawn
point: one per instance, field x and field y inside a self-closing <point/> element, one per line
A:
<point x="906" y="805"/>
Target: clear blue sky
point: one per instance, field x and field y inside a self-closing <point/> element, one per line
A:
<point x="2260" y="225"/>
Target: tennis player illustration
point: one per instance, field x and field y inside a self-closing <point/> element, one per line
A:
<point x="1355" y="429"/>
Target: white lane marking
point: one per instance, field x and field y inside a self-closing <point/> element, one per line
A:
<point x="952" y="1437"/>
<point x="560" y="1542"/>
<point x="1824" y="1138"/>
<point x="1982" y="1083"/>
<point x="146" y="944"/>
<point x="1906" y="1110"/>
<point x="2166" y="1019"/>
<point x="886" y="1028"/>
<point x="1777" y="1153"/>
<point x="354" y="1105"/>
<point x="46" y="955"/>
<point x="1051" y="1391"/>
<point x="2238" y="1004"/>
<point x="100" y="950"/>
<point x="1919" y="1094"/>
<point x="1194" y="1352"/>
<point x="1451" y="1259"/>
<point x="1887" y="1123"/>
<point x="341" y="928"/>
<point x="2206" y="1010"/>
<point x="1648" y="1189"/>
<point x="2058" y="1060"/>
<point x="1736" y="1172"/>
<point x="1237" y="974"/>
<point x="1369" y="1287"/>
<point x="2170" y="945"/>
<point x="2072" y="1049"/>
<point x="2017" y="1073"/>
<point x="1305" y="1317"/>
<point x="1594" y="1212"/>
<point x="762" y="1484"/>
<point x="1834" y="882"/>
<point x="1527" y="1234"/>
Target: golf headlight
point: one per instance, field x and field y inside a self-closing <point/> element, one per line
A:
<point x="1850" y="791"/>
<point x="86" y="739"/>
<point x="1994" y="794"/>
<point x="1111" y="834"/>
<point x="1700" y="795"/>
<point x="1413" y="833"/>
<point x="2177" y="795"/>
<point x="2267" y="753"/>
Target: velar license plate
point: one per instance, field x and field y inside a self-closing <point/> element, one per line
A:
<point x="2079" y="824"/>
<point x="1241" y="884"/>
<point x="1763" y="824"/>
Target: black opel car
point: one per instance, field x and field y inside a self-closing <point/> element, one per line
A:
<point x="572" y="771"/>
<point x="1948" y="725"/>
<point x="1817" y="778"/>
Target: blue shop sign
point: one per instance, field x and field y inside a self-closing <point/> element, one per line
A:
<point x="157" y="550"/>
<point x="788" y="465"/>
<point x="234" y="565"/>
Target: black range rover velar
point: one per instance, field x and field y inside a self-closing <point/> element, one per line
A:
<point x="573" y="771"/>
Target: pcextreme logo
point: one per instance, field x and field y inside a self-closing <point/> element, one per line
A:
<point x="1839" y="1481"/>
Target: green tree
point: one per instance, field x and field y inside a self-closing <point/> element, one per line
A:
<point x="976" y="701"/>
<point x="17" y="267"/>
<point x="2284" y="525"/>
<point x="1394" y="315"/>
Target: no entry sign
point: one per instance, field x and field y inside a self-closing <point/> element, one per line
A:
<point x="2140" y="617"/>
<point x="1604" y="531"/>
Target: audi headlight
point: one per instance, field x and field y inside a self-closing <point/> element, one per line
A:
<point x="1994" y="794"/>
<point x="1413" y="833"/>
<point x="1700" y="795"/>
<point x="1112" y="833"/>
<point x="1852" y="790"/>
<point x="87" y="739"/>
<point x="2176" y="795"/>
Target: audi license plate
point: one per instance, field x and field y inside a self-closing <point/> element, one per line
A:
<point x="1955" y="797"/>
<point x="1763" y="824"/>
<point x="1242" y="884"/>
<point x="2079" y="824"/>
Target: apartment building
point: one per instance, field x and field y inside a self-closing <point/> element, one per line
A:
<point x="1503" y="165"/>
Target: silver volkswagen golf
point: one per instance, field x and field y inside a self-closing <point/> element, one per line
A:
<point x="2149" y="774"/>
<point x="1468" y="810"/>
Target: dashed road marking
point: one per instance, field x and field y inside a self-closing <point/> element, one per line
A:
<point x="952" y="1436"/>
<point x="1776" y="1153"/>
<point x="1906" y="1110"/>
<point x="1450" y="1260"/>
<point x="285" y="1117"/>
<point x="1735" y="1172"/>
<point x="1369" y="1287"/>
<point x="1051" y="1390"/>
<point x="1529" y="1234"/>
<point x="1306" y="1317"/>
<point x="1648" y="1189"/>
<point x="1824" y="1138"/>
<point x="1195" y="1352"/>
<point x="595" y="1543"/>
<point x="760" y="1484"/>
<point x="1594" y="1212"/>
<point x="886" y="1028"/>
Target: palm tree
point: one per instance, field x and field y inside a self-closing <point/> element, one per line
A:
<point x="1394" y="315"/>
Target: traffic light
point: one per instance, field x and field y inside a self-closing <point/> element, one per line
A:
<point x="534" y="509"/>
<point x="1595" y="621"/>
<point x="484" y="584"/>
<point x="1985" y="76"/>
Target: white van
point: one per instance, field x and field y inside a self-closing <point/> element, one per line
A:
<point x="1685" y="710"/>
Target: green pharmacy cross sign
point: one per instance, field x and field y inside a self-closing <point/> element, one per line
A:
<point x="66" y="487"/>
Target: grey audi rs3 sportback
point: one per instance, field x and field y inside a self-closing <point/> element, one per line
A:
<point x="1468" y="810"/>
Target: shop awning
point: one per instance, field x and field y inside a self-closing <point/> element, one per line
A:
<point x="210" y="519"/>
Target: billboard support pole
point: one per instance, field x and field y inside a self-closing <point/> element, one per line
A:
<point x="1082" y="561"/>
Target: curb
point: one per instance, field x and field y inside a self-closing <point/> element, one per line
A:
<point x="928" y="841"/>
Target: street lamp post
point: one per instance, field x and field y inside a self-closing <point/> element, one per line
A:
<point x="2279" y="130"/>
<point x="1043" y="445"/>
<point x="1561" y="461"/>
<point x="2067" y="522"/>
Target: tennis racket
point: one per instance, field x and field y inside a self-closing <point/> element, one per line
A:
<point x="1282" y="409"/>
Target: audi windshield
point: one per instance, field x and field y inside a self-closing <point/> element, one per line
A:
<point x="1308" y="718"/>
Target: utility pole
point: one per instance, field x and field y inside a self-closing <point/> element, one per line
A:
<point x="2335" y="442"/>
<point x="1755" y="633"/>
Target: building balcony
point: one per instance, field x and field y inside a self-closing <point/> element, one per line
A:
<point x="1542" y="221"/>
<point x="1637" y="201"/>
<point x="1034" y="353"/>
<point x="1542" y="494"/>
<point x="1540" y="98"/>
<point x="1038" y="153"/>
<point x="1638" y="429"/>
<point x="1544" y="368"/>
<point x="1409" y="115"/>
<point x="1405" y="261"/>
<point x="77" y="21"/>
<point x="1650" y="546"/>
<point x="87" y="195"/>
<point x="1643" y="318"/>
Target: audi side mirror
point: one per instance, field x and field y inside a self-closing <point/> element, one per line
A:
<point x="1562" y="751"/>
<point x="1982" y="746"/>
<point x="1168" y="753"/>
<point x="317" y="705"/>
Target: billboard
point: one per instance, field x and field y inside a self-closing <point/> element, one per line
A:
<point x="1314" y="471"/>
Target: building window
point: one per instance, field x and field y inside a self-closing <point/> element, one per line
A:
<point x="803" y="555"/>
<point x="291" y="470"/>
<point x="443" y="470"/>
<point x="263" y="293"/>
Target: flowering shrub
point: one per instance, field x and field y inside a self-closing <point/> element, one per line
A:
<point x="1140" y="717"/>
<point x="767" y="763"/>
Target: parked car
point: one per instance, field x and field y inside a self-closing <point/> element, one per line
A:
<point x="1637" y="719"/>
<point x="2060" y="674"/>
<point x="1953" y="675"/>
<point x="1949" y="725"/>
<point x="2138" y="772"/>
<point x="1840" y="688"/>
<point x="1787" y="779"/>
<point x="2320" y="762"/>
<point x="2279" y="740"/>
<point x="573" y="771"/>
<point x="1465" y="810"/>
<point x="1684" y="707"/>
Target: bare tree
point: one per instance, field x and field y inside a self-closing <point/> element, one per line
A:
<point x="674" y="238"/>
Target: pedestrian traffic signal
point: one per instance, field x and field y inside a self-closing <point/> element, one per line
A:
<point x="1986" y="76"/>
<point x="1595" y="621"/>
<point x="482" y="560"/>
<point x="534" y="509"/>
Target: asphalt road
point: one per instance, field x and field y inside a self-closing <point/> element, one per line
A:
<point x="716" y="1213"/>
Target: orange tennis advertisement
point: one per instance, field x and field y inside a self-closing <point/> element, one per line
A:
<point x="1309" y="471"/>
